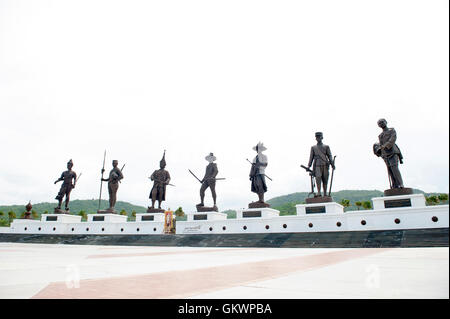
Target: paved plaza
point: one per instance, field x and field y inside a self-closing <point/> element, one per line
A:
<point x="85" y="271"/>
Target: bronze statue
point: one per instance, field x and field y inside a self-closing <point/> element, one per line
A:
<point x="115" y="176"/>
<point x="392" y="156"/>
<point x="67" y="177"/>
<point x="161" y="179"/>
<point x="258" y="176"/>
<point x="209" y="180"/>
<point x="28" y="213"/>
<point x="320" y="158"/>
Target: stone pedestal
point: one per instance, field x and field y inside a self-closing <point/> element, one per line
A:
<point x="318" y="199"/>
<point x="107" y="218"/>
<point x="258" y="205"/>
<point x="264" y="212"/>
<point x="60" y="211"/>
<point x="60" y="218"/>
<point x="400" y="201"/>
<point x="191" y="217"/>
<point x="398" y="191"/>
<point x="320" y="208"/>
<point x="155" y="210"/>
<point x="149" y="217"/>
<point x="107" y="211"/>
<point x="203" y="209"/>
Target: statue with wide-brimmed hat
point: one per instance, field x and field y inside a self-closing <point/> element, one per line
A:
<point x="258" y="176"/>
<point x="209" y="180"/>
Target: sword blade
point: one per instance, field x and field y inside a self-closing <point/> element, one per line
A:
<point x="332" y="175"/>
<point x="195" y="176"/>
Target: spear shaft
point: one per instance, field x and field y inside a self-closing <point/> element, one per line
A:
<point x="101" y="181"/>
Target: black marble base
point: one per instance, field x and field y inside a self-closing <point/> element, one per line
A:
<point x="318" y="199"/>
<point x="430" y="237"/>
<point x="398" y="191"/>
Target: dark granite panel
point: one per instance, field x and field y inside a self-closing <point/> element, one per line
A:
<point x="437" y="237"/>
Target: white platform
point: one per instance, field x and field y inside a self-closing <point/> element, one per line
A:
<point x="97" y="224"/>
<point x="106" y="218"/>
<point x="60" y="218"/>
<point x="198" y="216"/>
<point x="320" y="208"/>
<point x="362" y="220"/>
<point x="257" y="213"/>
<point x="393" y="202"/>
<point x="150" y="217"/>
<point x="262" y="220"/>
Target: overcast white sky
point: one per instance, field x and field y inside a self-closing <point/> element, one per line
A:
<point x="193" y="77"/>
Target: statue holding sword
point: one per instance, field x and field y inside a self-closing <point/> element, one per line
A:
<point x="320" y="159"/>
<point x="258" y="176"/>
<point x="66" y="177"/>
<point x="209" y="180"/>
<point x="161" y="179"/>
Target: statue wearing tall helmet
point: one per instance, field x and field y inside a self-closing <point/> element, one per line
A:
<point x="161" y="179"/>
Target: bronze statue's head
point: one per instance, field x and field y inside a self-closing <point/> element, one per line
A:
<point x="319" y="136"/>
<point x="162" y="163"/>
<point x="382" y="123"/>
<point x="115" y="163"/>
<point x="210" y="158"/>
<point x="259" y="147"/>
<point x="70" y="164"/>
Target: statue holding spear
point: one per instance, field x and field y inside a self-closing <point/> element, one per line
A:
<point x="115" y="176"/>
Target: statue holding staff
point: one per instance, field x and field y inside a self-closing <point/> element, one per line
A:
<point x="115" y="176"/>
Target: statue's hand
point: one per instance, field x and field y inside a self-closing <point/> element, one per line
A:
<point x="55" y="182"/>
<point x="103" y="170"/>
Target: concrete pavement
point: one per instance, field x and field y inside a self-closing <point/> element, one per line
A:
<point x="85" y="271"/>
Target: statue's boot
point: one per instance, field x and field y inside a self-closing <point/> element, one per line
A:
<point x="261" y="198"/>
